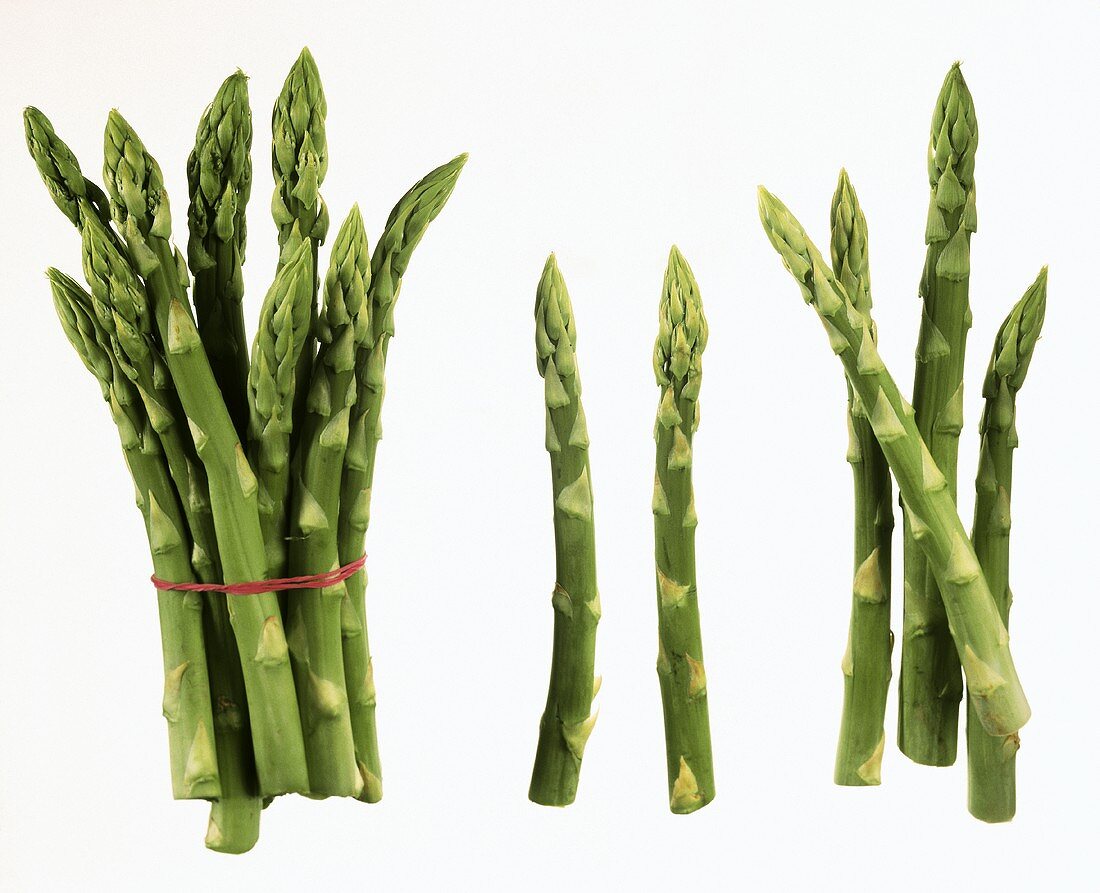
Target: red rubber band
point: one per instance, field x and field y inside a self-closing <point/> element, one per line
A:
<point x="255" y="587"/>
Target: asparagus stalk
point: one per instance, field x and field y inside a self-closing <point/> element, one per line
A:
<point x="991" y="759"/>
<point x="272" y="385"/>
<point x="299" y="161"/>
<point x="316" y="639"/>
<point x="931" y="682"/>
<point x="186" y="705"/>
<point x="677" y="364"/>
<point x="980" y="636"/>
<point x="139" y="205"/>
<point x="404" y="229"/>
<point x="568" y="720"/>
<point x="866" y="662"/>
<point x="219" y="179"/>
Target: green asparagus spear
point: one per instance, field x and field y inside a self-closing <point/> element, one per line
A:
<point x="219" y="179"/>
<point x="931" y="682"/>
<point x="186" y="706"/>
<point x="980" y="636"/>
<point x="991" y="760"/>
<point x="234" y="825"/>
<point x="678" y="365"/>
<point x="405" y="227"/>
<point x="315" y="625"/>
<point x="568" y="719"/>
<point x="272" y="384"/>
<point x="866" y="662"/>
<point x="299" y="161"/>
<point x="72" y="192"/>
<point x="139" y="205"/>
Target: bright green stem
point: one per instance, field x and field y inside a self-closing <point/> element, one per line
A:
<point x="219" y="179"/>
<point x="405" y="227"/>
<point x="866" y="662"/>
<point x="677" y="363"/>
<point x="931" y="681"/>
<point x="568" y="720"/>
<point x="991" y="760"/>
<point x="317" y="625"/>
<point x="187" y="701"/>
<point x="980" y="636"/>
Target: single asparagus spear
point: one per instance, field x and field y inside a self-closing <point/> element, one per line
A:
<point x="405" y="227"/>
<point x="315" y="627"/>
<point x="299" y="161"/>
<point x="980" y="635"/>
<point x="186" y="705"/>
<point x="219" y="179"/>
<point x="678" y="365"/>
<point x="72" y="192"/>
<point x="568" y="719"/>
<point x="139" y="205"/>
<point x="234" y="825"/>
<point x="931" y="682"/>
<point x="991" y="760"/>
<point x="272" y="384"/>
<point x="866" y="662"/>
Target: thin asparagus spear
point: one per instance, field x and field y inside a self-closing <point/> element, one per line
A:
<point x="315" y="634"/>
<point x="991" y="760"/>
<point x="568" y="719"/>
<point x="980" y="635"/>
<point x="931" y="682"/>
<point x="139" y="205"/>
<point x="405" y="227"/>
<point x="219" y="179"/>
<point x="272" y="384"/>
<point x="186" y="705"/>
<point x="678" y="365"/>
<point x="299" y="161"/>
<point x="74" y="194"/>
<point x="866" y="662"/>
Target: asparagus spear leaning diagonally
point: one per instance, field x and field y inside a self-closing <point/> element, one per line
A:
<point x="139" y="204"/>
<point x="315" y="625"/>
<point x="568" y="720"/>
<point x="186" y="705"/>
<point x="991" y="759"/>
<point x="677" y="363"/>
<point x="234" y="825"/>
<point x="299" y="161"/>
<point x="866" y="662"/>
<point x="980" y="636"/>
<point x="219" y="179"/>
<point x="404" y="229"/>
<point x="931" y="684"/>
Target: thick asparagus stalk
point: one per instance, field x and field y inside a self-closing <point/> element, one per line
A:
<point x="866" y="662"/>
<point x="187" y="704"/>
<point x="219" y="179"/>
<point x="678" y="365"/>
<point x="272" y="384"/>
<point x="139" y="204"/>
<point x="980" y="635"/>
<point x="299" y="161"/>
<point x="405" y="227"/>
<point x="931" y="683"/>
<point x="991" y="759"/>
<point x="315" y="637"/>
<point x="568" y="720"/>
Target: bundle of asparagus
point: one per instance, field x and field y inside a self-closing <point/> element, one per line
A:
<point x="246" y="471"/>
<point x="956" y="587"/>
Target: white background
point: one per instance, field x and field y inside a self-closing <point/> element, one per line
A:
<point x="605" y="132"/>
